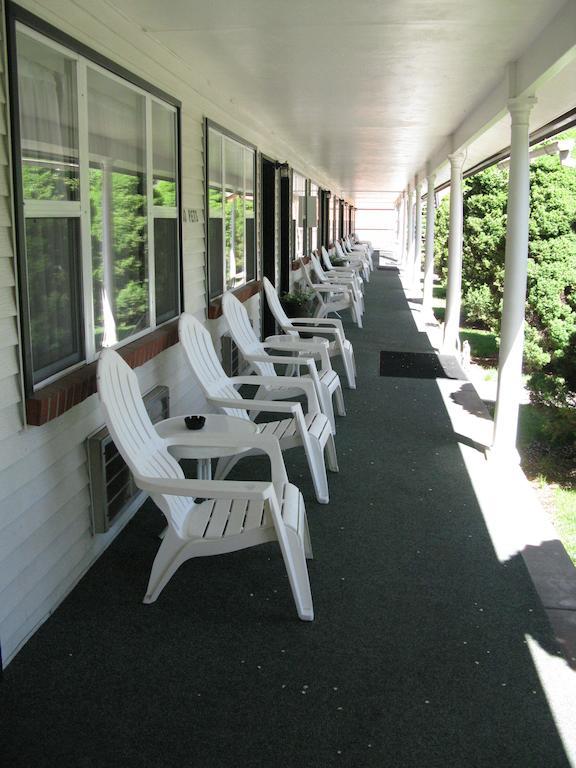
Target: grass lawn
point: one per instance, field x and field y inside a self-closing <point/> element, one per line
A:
<point x="548" y="460"/>
<point x="482" y="344"/>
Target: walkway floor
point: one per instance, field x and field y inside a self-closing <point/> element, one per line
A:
<point x="422" y="652"/>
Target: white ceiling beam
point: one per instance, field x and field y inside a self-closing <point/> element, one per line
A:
<point x="552" y="50"/>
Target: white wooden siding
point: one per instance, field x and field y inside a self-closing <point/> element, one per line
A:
<point x="45" y="540"/>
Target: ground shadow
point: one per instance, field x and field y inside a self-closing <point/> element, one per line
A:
<point x="417" y="656"/>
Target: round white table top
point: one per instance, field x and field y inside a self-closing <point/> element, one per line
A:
<point x="284" y="340"/>
<point x="216" y="423"/>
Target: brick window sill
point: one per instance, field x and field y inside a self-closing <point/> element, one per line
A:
<point x="55" y="399"/>
<point x="243" y="293"/>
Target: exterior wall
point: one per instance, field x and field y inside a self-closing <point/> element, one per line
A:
<point x="46" y="543"/>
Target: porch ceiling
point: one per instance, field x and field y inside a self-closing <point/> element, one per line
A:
<point x="367" y="91"/>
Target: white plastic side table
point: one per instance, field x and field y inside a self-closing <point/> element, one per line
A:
<point x="215" y="424"/>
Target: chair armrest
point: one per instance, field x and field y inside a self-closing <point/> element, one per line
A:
<point x="331" y="288"/>
<point x="317" y="321"/>
<point x="276" y="406"/>
<point x="206" y="489"/>
<point x="279" y="359"/>
<point x="282" y="382"/>
<point x="305" y="346"/>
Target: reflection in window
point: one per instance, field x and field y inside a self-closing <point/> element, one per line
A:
<point x="313" y="224"/>
<point x="53" y="275"/>
<point x="164" y="156"/>
<point x="116" y="119"/>
<point x="250" y="233"/>
<point x="298" y="213"/>
<point x="231" y="217"/>
<point x="131" y="181"/>
<point x="48" y="124"/>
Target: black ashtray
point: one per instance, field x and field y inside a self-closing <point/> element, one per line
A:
<point x="195" y="422"/>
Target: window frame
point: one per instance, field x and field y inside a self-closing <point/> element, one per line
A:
<point x="85" y="57"/>
<point x="208" y="126"/>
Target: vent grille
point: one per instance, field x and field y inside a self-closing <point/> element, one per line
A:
<point x="231" y="358"/>
<point x="112" y="487"/>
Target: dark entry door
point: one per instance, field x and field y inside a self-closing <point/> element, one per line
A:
<point x="268" y="237"/>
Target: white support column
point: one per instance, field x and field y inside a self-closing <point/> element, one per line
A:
<point x="515" y="276"/>
<point x="429" y="257"/>
<point x="401" y="230"/>
<point x="409" y="235"/>
<point x="454" y="290"/>
<point x="417" y="261"/>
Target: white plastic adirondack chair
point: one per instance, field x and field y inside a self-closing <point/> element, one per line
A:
<point x="338" y="279"/>
<point x="232" y="515"/>
<point x="330" y="297"/>
<point x="354" y="247"/>
<point x="355" y="240"/>
<point x="343" y="254"/>
<point x="344" y="282"/>
<point x="353" y="266"/>
<point x="312" y="431"/>
<point x="331" y="328"/>
<point x="254" y="351"/>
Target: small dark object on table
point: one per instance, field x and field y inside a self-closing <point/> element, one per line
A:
<point x="194" y="422"/>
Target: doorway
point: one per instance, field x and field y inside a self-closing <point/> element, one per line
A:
<point x="269" y="241"/>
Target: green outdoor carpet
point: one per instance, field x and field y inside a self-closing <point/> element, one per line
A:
<point x="417" y="657"/>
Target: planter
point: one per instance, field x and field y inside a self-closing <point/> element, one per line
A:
<point x="298" y="309"/>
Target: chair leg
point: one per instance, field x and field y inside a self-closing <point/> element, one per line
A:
<point x="225" y="466"/>
<point x="307" y="541"/>
<point x="297" y="570"/>
<point x="315" y="456"/>
<point x="349" y="368"/>
<point x="340" y="407"/>
<point x="327" y="407"/>
<point x="331" y="457"/>
<point x="169" y="558"/>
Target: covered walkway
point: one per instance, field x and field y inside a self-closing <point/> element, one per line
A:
<point x="419" y="654"/>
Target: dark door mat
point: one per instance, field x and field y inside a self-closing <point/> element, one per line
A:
<point x="412" y="365"/>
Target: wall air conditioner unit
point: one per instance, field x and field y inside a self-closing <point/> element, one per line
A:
<point x="112" y="488"/>
<point x="231" y="358"/>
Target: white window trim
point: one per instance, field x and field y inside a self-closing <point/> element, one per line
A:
<point x="81" y="209"/>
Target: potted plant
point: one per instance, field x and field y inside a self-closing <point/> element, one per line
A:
<point x="298" y="302"/>
<point x="337" y="261"/>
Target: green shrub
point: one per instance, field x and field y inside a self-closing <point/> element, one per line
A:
<point x="478" y="307"/>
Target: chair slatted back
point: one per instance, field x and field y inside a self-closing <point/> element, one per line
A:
<point x="199" y="349"/>
<point x="309" y="282"/>
<point x="326" y="259"/>
<point x="277" y="309"/>
<point x="143" y="450"/>
<point x="243" y="333"/>
<point x="318" y="271"/>
<point x="340" y="250"/>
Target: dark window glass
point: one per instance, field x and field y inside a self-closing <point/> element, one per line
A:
<point x="166" y="268"/>
<point x="52" y="246"/>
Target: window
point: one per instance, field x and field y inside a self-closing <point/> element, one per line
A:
<point x="298" y="214"/>
<point x="313" y="223"/>
<point x="231" y="227"/>
<point x="99" y="193"/>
